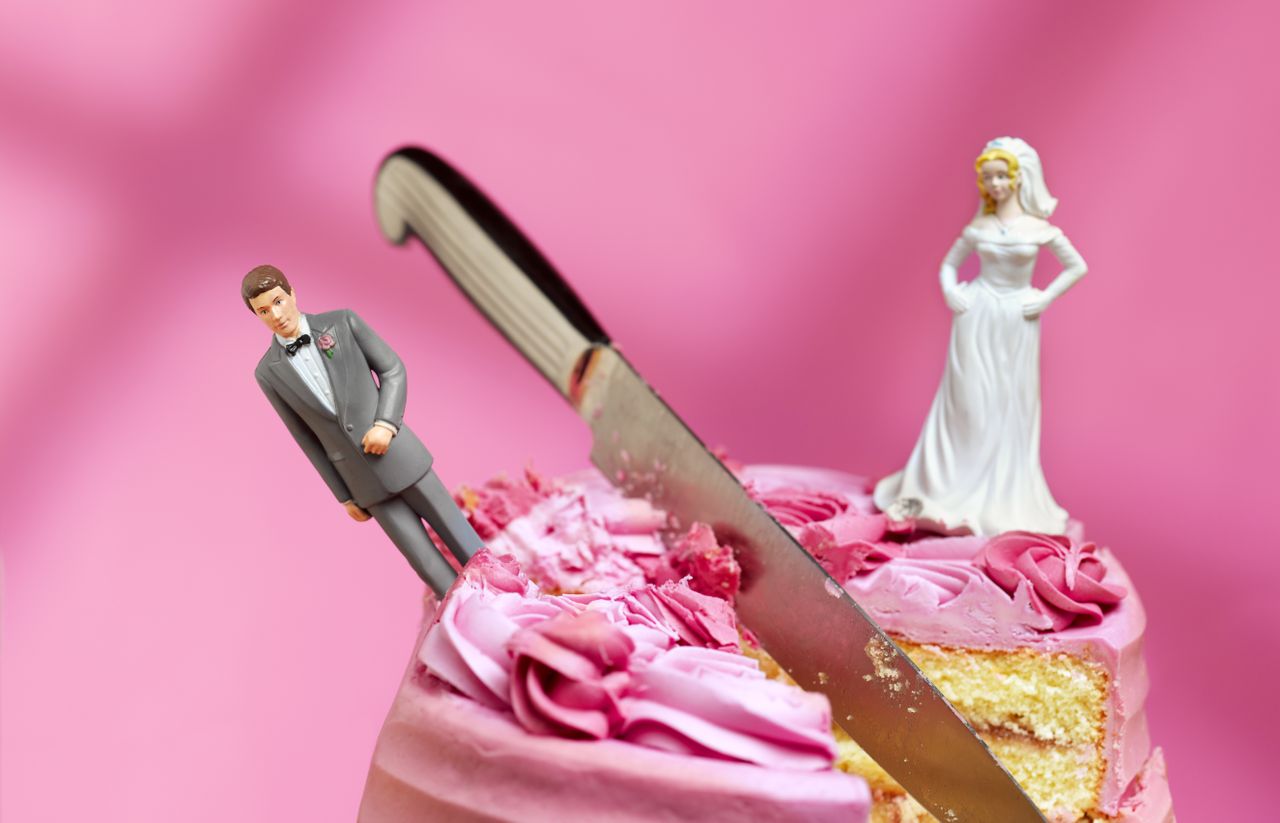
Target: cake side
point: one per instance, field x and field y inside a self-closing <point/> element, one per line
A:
<point x="441" y="756"/>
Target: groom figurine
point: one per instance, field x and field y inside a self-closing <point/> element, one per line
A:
<point x="317" y="375"/>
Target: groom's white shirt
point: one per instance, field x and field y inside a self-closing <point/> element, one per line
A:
<point x="306" y="362"/>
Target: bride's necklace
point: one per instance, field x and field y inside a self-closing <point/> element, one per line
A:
<point x="1002" y="226"/>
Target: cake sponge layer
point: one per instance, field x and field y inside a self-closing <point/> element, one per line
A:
<point x="1051" y="697"/>
<point x="1043" y="715"/>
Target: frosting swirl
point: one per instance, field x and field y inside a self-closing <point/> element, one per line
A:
<point x="1062" y="578"/>
<point x="793" y="506"/>
<point x="568" y="674"/>
<point x="466" y="646"/>
<point x="840" y="534"/>
<point x="714" y="703"/>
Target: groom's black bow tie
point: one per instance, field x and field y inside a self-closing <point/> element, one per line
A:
<point x="292" y="348"/>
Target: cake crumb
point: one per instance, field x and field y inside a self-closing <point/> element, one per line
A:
<point x="882" y="658"/>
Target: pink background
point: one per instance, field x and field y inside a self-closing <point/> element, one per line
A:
<point x="753" y="198"/>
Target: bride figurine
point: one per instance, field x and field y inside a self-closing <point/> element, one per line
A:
<point x="976" y="467"/>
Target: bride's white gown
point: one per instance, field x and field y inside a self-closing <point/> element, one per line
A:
<point x="976" y="467"/>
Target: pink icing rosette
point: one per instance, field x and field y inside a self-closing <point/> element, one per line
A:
<point x="718" y="704"/>
<point x="793" y="506"/>
<point x="1063" y="579"/>
<point x="568" y="674"/>
<point x="466" y="646"/>
<point x="841" y="536"/>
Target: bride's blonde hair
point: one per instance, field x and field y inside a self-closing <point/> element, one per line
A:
<point x="988" y="204"/>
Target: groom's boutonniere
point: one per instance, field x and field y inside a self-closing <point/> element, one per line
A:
<point x="326" y="344"/>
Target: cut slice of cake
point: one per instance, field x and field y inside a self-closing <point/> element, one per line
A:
<point x="1036" y="640"/>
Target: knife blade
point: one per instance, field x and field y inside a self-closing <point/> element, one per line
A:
<point x="803" y="617"/>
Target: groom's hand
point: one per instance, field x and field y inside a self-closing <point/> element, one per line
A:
<point x="376" y="440"/>
<point x="355" y="511"/>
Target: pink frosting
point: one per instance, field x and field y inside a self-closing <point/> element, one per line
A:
<point x="697" y="619"/>
<point x="568" y="675"/>
<point x="934" y="591"/>
<point x="928" y="590"/>
<point x="485" y="607"/>
<point x="441" y="756"/>
<point x="838" y="529"/>
<point x="651" y="665"/>
<point x="701" y="701"/>
<point x="579" y="535"/>
<point x="712" y="568"/>
<point x="795" y="506"/>
<point x="1064" y="578"/>
<point x="493" y="506"/>
<point x="1147" y="800"/>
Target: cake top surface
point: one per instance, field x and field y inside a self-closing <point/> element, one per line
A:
<point x="1016" y="589"/>
<point x="1013" y="590"/>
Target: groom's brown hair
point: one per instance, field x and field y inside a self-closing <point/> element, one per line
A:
<point x="261" y="279"/>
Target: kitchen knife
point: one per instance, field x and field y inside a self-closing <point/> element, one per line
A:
<point x="803" y="617"/>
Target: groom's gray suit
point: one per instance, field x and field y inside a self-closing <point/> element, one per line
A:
<point x="398" y="488"/>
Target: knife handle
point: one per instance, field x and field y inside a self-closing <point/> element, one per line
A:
<point x="497" y="267"/>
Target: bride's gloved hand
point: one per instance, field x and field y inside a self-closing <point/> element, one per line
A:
<point x="1034" y="304"/>
<point x="956" y="298"/>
